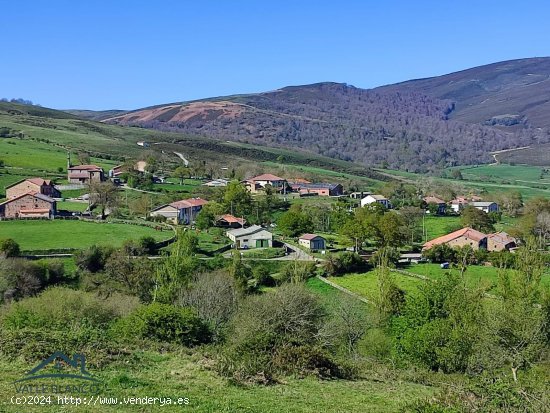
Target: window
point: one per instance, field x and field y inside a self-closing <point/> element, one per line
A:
<point x="245" y="240"/>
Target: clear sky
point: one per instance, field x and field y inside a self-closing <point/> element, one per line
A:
<point x="130" y="54"/>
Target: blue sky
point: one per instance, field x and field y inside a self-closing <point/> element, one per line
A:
<point x="131" y="54"/>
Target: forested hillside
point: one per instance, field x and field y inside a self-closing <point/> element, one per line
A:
<point x="416" y="126"/>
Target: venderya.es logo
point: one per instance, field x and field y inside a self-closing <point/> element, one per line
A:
<point x="59" y="374"/>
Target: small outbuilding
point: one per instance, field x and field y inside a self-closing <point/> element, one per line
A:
<point x="251" y="237"/>
<point x="312" y="241"/>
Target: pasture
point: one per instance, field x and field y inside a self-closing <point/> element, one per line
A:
<point x="58" y="234"/>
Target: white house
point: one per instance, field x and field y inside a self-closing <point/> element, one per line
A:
<point x="485" y="206"/>
<point x="251" y="237"/>
<point x="373" y="198"/>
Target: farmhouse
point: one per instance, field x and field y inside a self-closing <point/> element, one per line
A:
<point x="258" y="183"/>
<point x="85" y="174"/>
<point x="500" y="241"/>
<point x="35" y="185"/>
<point x="251" y="237"/>
<point x="485" y="206"/>
<point x="373" y="198"/>
<point x="441" y="204"/>
<point x="460" y="238"/>
<point x="312" y="241"/>
<point x="229" y="221"/>
<point x="321" y="189"/>
<point x="28" y="205"/>
<point x="182" y="212"/>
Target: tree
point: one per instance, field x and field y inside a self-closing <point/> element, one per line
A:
<point x="390" y="230"/>
<point x="181" y="172"/>
<point x="517" y="329"/>
<point x="176" y="270"/>
<point x="412" y="216"/>
<point x="83" y="158"/>
<point x="440" y="253"/>
<point x="476" y="219"/>
<point x="456" y="174"/>
<point x="214" y="296"/>
<point x="104" y="195"/>
<point x="205" y="219"/>
<point x="240" y="272"/>
<point x="295" y="222"/>
<point x="237" y="199"/>
<point x="141" y="205"/>
<point x="9" y="248"/>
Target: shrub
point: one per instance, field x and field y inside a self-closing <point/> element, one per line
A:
<point x="277" y="333"/>
<point x="61" y="307"/>
<point x="164" y="322"/>
<point x="214" y="296"/>
<point x="20" y="278"/>
<point x="9" y="248"/>
<point x="93" y="259"/>
<point x="345" y="263"/>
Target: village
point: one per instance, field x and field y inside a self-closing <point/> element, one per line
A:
<point x="282" y="218"/>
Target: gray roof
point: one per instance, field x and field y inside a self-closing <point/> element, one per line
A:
<point x="481" y="204"/>
<point x="238" y="232"/>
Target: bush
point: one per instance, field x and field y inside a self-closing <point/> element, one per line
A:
<point x="93" y="259"/>
<point x="9" y="248"/>
<point x="33" y="344"/>
<point x="345" y="263"/>
<point x="277" y="333"/>
<point x="20" y="278"/>
<point x="164" y="322"/>
<point x="214" y="296"/>
<point x="64" y="308"/>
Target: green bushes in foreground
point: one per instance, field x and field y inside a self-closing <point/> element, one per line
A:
<point x="164" y="322"/>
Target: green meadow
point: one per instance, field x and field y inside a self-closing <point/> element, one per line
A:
<point x="57" y="234"/>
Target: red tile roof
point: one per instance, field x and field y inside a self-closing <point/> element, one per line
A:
<point x="266" y="177"/>
<point x="232" y="219"/>
<point x="464" y="232"/>
<point x="93" y="168"/>
<point x="188" y="203"/>
<point x="309" y="237"/>
<point x="39" y="181"/>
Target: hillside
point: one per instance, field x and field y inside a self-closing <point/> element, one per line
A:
<point x="512" y="93"/>
<point x="95" y="114"/>
<point x="43" y="136"/>
<point x="417" y="126"/>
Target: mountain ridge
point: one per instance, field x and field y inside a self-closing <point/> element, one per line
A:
<point x="418" y="125"/>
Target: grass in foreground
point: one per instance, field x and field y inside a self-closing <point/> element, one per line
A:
<point x="180" y="375"/>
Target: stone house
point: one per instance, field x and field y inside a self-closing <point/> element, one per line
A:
<point x="35" y="185"/>
<point x="29" y="205"/>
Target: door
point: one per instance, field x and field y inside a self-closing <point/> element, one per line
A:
<point x="262" y="243"/>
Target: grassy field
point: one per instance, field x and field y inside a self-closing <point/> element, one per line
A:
<point x="42" y="235"/>
<point x="493" y="184"/>
<point x="510" y="173"/>
<point x="148" y="374"/>
<point x="475" y="275"/>
<point x="72" y="206"/>
<point x="212" y="239"/>
<point x="39" y="156"/>
<point x="366" y="284"/>
<point x="438" y="226"/>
